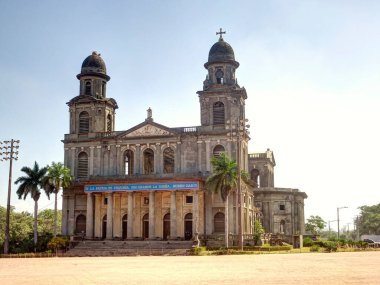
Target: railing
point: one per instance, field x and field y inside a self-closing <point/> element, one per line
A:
<point x="257" y="155"/>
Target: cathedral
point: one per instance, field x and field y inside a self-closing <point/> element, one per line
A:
<point x="149" y="182"/>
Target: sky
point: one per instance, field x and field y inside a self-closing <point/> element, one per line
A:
<point x="311" y="70"/>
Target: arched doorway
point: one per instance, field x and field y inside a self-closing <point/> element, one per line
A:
<point x="219" y="223"/>
<point x="124" y="221"/>
<point x="145" y="226"/>
<point x="188" y="226"/>
<point x="80" y="224"/>
<point x="104" y="227"/>
<point x="166" y="226"/>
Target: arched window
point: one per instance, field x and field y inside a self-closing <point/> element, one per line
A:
<point x="168" y="160"/>
<point x="82" y="171"/>
<point x="84" y="122"/>
<point x="219" y="76"/>
<point x="148" y="161"/>
<point x="218" y="150"/>
<point x="219" y="225"/>
<point x="218" y="113"/>
<point x="109" y="123"/>
<point x="128" y="162"/>
<point x="87" y="90"/>
<point x="80" y="224"/>
<point x="255" y="176"/>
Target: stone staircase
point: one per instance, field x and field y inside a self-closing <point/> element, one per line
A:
<point x="129" y="248"/>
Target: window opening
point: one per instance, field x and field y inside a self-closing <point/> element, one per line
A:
<point x="148" y="161"/>
<point x="168" y="160"/>
<point x="82" y="171"/>
<point x="218" y="113"/>
<point x="189" y="199"/>
<point x="84" y="122"/>
<point x="128" y="162"/>
<point x="88" y="88"/>
<point x="218" y="150"/>
<point x="109" y="123"/>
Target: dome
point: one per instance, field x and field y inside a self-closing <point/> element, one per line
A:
<point x="221" y="51"/>
<point x="94" y="63"/>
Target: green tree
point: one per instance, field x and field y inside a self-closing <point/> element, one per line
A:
<point x="368" y="221"/>
<point x="46" y="222"/>
<point x="222" y="181"/>
<point x="315" y="224"/>
<point x="258" y="230"/>
<point x="58" y="177"/>
<point x="31" y="184"/>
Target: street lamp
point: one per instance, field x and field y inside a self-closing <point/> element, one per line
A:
<point x="337" y="211"/>
<point x="8" y="151"/>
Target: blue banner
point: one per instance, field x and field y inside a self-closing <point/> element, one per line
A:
<point x="188" y="185"/>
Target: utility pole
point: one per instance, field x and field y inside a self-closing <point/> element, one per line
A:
<point x="330" y="227"/>
<point x="337" y="211"/>
<point x="8" y="152"/>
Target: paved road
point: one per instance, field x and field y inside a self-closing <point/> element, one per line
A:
<point x="316" y="268"/>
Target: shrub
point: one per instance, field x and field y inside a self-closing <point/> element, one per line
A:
<point x="58" y="243"/>
<point x="314" y="248"/>
<point x="307" y="242"/>
<point x="330" y="246"/>
<point x="198" y="250"/>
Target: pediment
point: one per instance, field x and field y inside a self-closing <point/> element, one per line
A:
<point x="147" y="130"/>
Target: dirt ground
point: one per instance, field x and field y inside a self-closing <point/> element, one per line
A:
<point x="315" y="268"/>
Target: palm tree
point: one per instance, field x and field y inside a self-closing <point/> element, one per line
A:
<point x="31" y="184"/>
<point x="58" y="177"/>
<point x="222" y="181"/>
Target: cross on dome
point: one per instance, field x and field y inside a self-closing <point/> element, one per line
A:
<point x="220" y="33"/>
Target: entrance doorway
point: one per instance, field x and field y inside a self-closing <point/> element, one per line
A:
<point x="125" y="226"/>
<point x="219" y="224"/>
<point x="188" y="226"/>
<point x="104" y="227"/>
<point x="166" y="226"/>
<point x="145" y="226"/>
<point x="80" y="225"/>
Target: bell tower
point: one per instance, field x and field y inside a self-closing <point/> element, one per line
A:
<point x="92" y="111"/>
<point x="222" y="100"/>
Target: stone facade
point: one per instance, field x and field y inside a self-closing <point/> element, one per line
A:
<point x="148" y="182"/>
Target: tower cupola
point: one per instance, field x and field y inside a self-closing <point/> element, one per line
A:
<point x="93" y="76"/>
<point x="221" y="64"/>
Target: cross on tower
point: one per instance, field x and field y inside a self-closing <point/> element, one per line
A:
<point x="220" y="33"/>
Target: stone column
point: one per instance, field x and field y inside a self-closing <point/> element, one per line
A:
<point x="208" y="163"/>
<point x="98" y="218"/>
<point x="199" y="145"/>
<point x="90" y="216"/>
<point x="117" y="227"/>
<point x="195" y="213"/>
<point x="64" y="215"/>
<point x="130" y="216"/>
<point x="99" y="160"/>
<point x="71" y="220"/>
<point x="91" y="161"/>
<point x="158" y="161"/>
<point x="178" y="159"/>
<point x="151" y="214"/>
<point x="118" y="160"/>
<point x="109" y="215"/>
<point x="137" y="159"/>
<point x="72" y="164"/>
<point x="208" y="215"/>
<point x="173" y="215"/>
